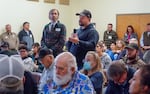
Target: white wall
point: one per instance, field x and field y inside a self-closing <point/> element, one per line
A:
<point x="15" y="12"/>
<point x="104" y="11"/>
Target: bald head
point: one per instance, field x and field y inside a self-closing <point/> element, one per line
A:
<point x="8" y="28"/>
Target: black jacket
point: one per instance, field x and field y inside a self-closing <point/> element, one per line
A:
<point x="30" y="86"/>
<point x="114" y="88"/>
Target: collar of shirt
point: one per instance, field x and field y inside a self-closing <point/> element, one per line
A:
<point x="53" y="23"/>
<point x="148" y="33"/>
<point x="87" y="27"/>
<point x="27" y="32"/>
<point x="9" y="33"/>
<point x="50" y="67"/>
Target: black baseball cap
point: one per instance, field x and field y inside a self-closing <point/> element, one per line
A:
<point x="132" y="46"/>
<point x="45" y="51"/>
<point x="85" y="13"/>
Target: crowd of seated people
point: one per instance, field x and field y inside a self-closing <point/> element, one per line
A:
<point x="88" y="66"/>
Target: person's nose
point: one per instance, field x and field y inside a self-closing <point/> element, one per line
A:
<point x="130" y="81"/>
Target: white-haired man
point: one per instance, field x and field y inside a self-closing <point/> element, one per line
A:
<point x="67" y="80"/>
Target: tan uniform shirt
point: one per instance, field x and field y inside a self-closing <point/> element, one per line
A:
<point x="11" y="38"/>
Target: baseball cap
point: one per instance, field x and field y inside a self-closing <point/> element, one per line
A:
<point x="11" y="67"/>
<point x="4" y="44"/>
<point x="45" y="51"/>
<point x="132" y="46"/>
<point x="85" y="13"/>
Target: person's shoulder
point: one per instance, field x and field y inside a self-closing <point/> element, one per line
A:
<point x="4" y="33"/>
<point x="105" y="31"/>
<point x="111" y="86"/>
<point x="85" y="83"/>
<point x="105" y="54"/>
<point x="81" y="76"/>
<point x="47" y="25"/>
<point x="98" y="74"/>
<point x="13" y="33"/>
<point x="113" y="31"/>
<point x="22" y="31"/>
<point x="123" y="59"/>
<point x="60" y="25"/>
<point x="28" y="59"/>
<point x="130" y="72"/>
<point x="141" y="62"/>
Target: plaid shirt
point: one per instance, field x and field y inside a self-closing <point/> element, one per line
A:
<point x="80" y="84"/>
<point x="54" y="38"/>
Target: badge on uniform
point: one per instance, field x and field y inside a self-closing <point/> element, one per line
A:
<point x="13" y="35"/>
<point x="58" y="29"/>
<point x="6" y="37"/>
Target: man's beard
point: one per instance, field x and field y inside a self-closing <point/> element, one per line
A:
<point x="81" y="24"/>
<point x="132" y="57"/>
<point x="62" y="80"/>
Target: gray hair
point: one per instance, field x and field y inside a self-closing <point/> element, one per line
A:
<point x="116" y="68"/>
<point x="71" y="60"/>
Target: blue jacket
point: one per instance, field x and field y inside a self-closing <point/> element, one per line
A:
<point x="97" y="81"/>
<point x="28" y="38"/>
<point x="113" y="88"/>
<point x="88" y="38"/>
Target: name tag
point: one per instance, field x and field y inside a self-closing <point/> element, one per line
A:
<point x="30" y="35"/>
<point x="58" y="29"/>
<point x="6" y="37"/>
<point x="109" y="37"/>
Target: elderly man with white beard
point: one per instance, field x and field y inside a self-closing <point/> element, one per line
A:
<point x="67" y="80"/>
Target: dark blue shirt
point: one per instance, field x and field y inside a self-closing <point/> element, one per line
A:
<point x="97" y="81"/>
<point x="114" y="88"/>
<point x="88" y="38"/>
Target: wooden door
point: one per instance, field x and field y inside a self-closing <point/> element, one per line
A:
<point x="138" y="21"/>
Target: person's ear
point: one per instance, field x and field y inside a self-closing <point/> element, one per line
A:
<point x="145" y="88"/>
<point x="72" y="69"/>
<point x="51" y="56"/>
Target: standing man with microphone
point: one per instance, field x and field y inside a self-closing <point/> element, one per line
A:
<point x="84" y="39"/>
